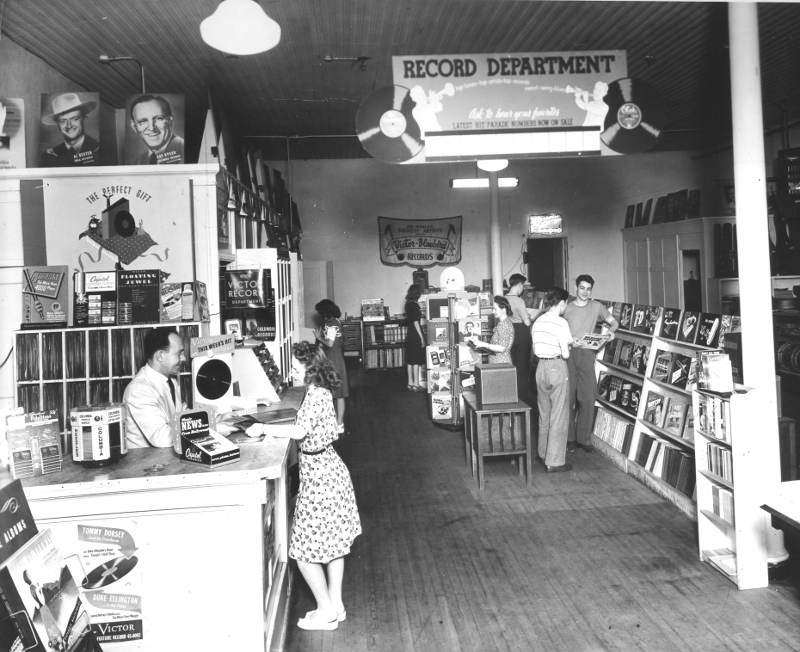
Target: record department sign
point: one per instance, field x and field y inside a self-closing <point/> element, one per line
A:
<point x="420" y="243"/>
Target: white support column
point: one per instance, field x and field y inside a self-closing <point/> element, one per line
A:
<point x="755" y="285"/>
<point x="494" y="235"/>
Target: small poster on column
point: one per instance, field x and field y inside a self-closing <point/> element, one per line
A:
<point x="12" y="133"/>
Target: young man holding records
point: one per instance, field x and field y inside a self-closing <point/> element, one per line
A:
<point x="582" y="314"/>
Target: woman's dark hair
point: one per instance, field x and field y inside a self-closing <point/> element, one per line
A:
<point x="327" y="309"/>
<point x="516" y="279"/>
<point x="319" y="370"/>
<point x="553" y="297"/>
<point x="413" y="293"/>
<point x="503" y="303"/>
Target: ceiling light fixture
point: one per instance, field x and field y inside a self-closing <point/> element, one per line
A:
<point x="483" y="182"/>
<point x="240" y="27"/>
<point x="107" y="60"/>
<point x="492" y="164"/>
<point x="362" y="61"/>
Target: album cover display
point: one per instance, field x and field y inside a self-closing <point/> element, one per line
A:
<point x="625" y="352"/>
<point x="687" y="331"/>
<point x="679" y="373"/>
<point x="669" y="323"/>
<point x="662" y="366"/>
<point x="639" y="358"/>
<point x="655" y="408"/>
<point x="708" y="331"/>
<point x="675" y="417"/>
<point x="626" y="316"/>
<point x="611" y="350"/>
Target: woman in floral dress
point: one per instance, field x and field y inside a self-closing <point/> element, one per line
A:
<point x="326" y="519"/>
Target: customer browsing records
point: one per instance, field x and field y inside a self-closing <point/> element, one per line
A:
<point x="582" y="314"/>
<point x="415" y="340"/>
<point x="499" y="347"/>
<point x="551" y="345"/>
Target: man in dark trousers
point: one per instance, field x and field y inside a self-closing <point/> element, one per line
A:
<point x="582" y="314"/>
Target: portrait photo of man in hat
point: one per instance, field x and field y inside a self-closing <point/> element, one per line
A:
<point x="69" y="144"/>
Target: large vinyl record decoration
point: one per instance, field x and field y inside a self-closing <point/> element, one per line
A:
<point x="385" y="126"/>
<point x="635" y="116"/>
<point x="213" y="380"/>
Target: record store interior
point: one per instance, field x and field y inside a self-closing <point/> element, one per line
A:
<point x="365" y="325"/>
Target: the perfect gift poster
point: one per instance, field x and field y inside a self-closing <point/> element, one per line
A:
<point x="154" y="129"/>
<point x="160" y="208"/>
<point x="69" y="132"/>
<point x="12" y="133"/>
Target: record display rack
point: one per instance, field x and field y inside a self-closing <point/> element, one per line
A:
<point x="643" y="419"/>
<point x="64" y="368"/>
<point x="351" y="338"/>
<point x="384" y="343"/>
<point x="731" y="468"/>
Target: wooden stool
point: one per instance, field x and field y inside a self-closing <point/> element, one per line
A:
<point x="495" y="430"/>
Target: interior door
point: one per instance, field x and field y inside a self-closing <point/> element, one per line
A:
<point x="547" y="262"/>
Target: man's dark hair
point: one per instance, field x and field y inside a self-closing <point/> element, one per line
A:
<point x="165" y="107"/>
<point x="584" y="278"/>
<point x="516" y="279"/>
<point x="554" y="296"/>
<point x="157" y="339"/>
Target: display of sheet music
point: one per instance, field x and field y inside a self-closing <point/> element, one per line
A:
<point x="34" y="443"/>
<point x="154" y="130"/>
<point x="12" y="133"/>
<point x="675" y="417"/>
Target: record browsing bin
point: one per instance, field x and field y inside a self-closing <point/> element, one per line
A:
<point x="67" y="368"/>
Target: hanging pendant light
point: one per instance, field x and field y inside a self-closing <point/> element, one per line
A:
<point x="240" y="27"/>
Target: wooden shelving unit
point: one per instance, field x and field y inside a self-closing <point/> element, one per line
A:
<point x="731" y="469"/>
<point x="383" y="343"/>
<point x="64" y="368"/>
<point x="655" y="447"/>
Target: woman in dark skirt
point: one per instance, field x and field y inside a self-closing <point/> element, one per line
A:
<point x="415" y="341"/>
<point x="329" y="334"/>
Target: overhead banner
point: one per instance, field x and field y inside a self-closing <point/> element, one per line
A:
<point x="420" y="243"/>
<point x="470" y="106"/>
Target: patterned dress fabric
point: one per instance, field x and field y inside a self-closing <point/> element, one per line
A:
<point x="326" y="520"/>
<point x="504" y="336"/>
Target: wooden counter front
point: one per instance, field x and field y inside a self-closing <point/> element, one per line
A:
<point x="210" y="543"/>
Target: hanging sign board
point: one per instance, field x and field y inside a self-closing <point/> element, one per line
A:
<point x="504" y="105"/>
<point x="420" y="243"/>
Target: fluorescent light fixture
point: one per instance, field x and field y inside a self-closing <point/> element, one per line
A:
<point x="492" y="164"/>
<point x="240" y="27"/>
<point x="483" y="182"/>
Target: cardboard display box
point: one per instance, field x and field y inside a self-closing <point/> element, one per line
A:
<point x="44" y="297"/>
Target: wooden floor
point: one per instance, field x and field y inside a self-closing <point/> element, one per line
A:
<point x="585" y="560"/>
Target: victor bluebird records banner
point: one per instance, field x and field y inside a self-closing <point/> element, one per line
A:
<point x="420" y="243"/>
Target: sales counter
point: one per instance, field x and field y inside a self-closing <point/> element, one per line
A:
<point x="205" y="553"/>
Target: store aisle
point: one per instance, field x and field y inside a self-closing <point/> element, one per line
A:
<point x="585" y="560"/>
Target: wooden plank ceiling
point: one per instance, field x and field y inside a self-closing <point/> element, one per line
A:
<point x="292" y="96"/>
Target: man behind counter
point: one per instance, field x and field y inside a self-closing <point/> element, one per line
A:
<point x="152" y="398"/>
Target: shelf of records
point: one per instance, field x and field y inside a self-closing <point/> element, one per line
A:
<point x="384" y="343"/>
<point x="787" y="343"/>
<point x="644" y="381"/>
<point x="730" y="472"/>
<point x="60" y="369"/>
